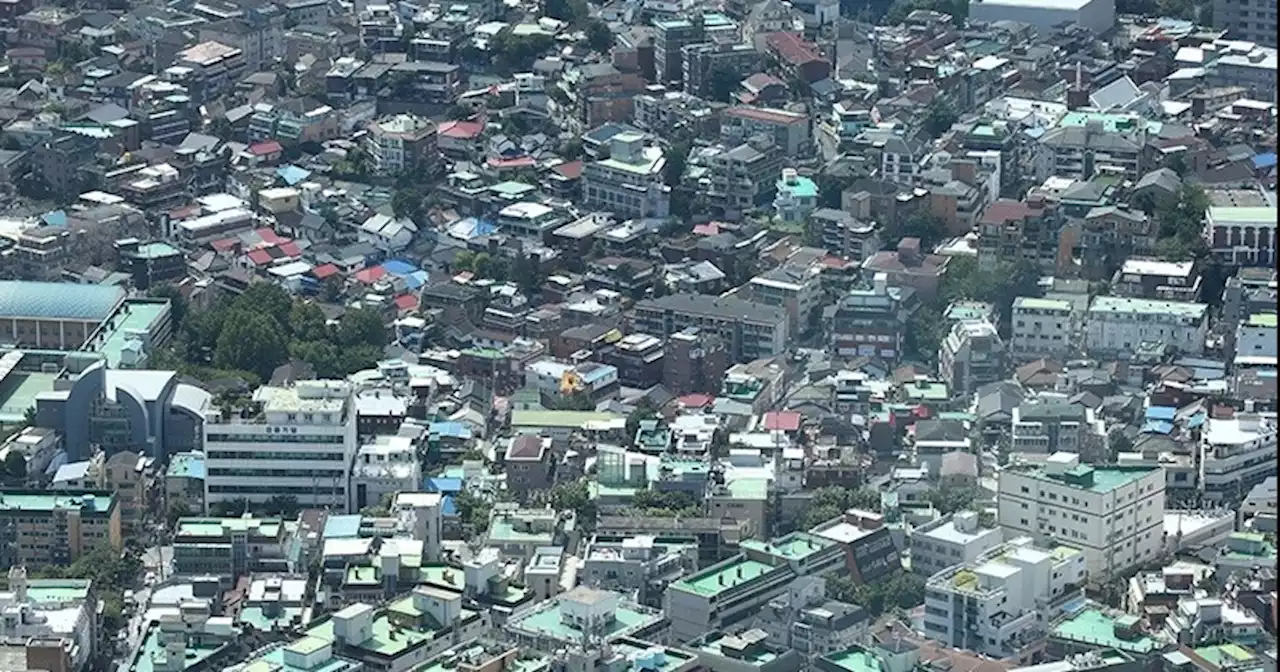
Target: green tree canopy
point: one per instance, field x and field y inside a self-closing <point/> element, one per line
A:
<point x="722" y="83"/>
<point x="599" y="36"/>
<point x="251" y="341"/>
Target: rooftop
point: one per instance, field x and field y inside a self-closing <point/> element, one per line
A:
<point x="1091" y="626"/>
<point x="1104" y="479"/>
<point x="1113" y="304"/>
<point x="795" y="546"/>
<point x="93" y="502"/>
<point x="856" y="660"/>
<point x="549" y="621"/>
<point x="58" y="300"/>
<point x="719" y="578"/>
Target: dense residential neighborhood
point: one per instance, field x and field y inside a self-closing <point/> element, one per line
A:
<point x="638" y="336"/>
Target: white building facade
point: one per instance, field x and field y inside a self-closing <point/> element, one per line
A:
<point x="1114" y="514"/>
<point x="949" y="541"/>
<point x="1005" y="599"/>
<point x="1237" y="453"/>
<point x="1041" y="328"/>
<point x="1120" y="324"/>
<point x="295" y="441"/>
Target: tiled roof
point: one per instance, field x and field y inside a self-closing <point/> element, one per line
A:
<point x="55" y="300"/>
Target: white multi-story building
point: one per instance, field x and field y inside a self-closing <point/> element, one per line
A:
<point x="1048" y="428"/>
<point x="383" y="467"/>
<point x="971" y="356"/>
<point x="949" y="541"/>
<point x="1114" y="514"/>
<point x="1120" y="324"/>
<point x="630" y="183"/>
<point x="528" y="219"/>
<point x="1041" y="327"/>
<point x="1237" y="453"/>
<point x="294" y="441"/>
<point x="798" y="290"/>
<point x="1005" y="599"/>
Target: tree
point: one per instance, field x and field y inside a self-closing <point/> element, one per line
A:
<point x="178" y="304"/>
<point x="948" y="499"/>
<point x="570" y="11"/>
<point x="473" y="511"/>
<point x="285" y="506"/>
<point x="464" y="261"/>
<point x="939" y="117"/>
<point x="407" y="203"/>
<point x="251" y="341"/>
<point x="923" y="225"/>
<point x="515" y="53"/>
<point x="575" y="497"/>
<point x="177" y="510"/>
<point x="677" y="159"/>
<point x="899" y="590"/>
<point x="307" y="322"/>
<point x="722" y="83"/>
<point x="362" y="326"/>
<point x="14" y="468"/>
<point x="1118" y="442"/>
<point x="599" y="36"/>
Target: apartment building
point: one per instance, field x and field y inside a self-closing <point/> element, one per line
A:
<point x="669" y="39"/>
<point x="630" y="183"/>
<point x="795" y="289"/>
<point x="643" y="565"/>
<point x="845" y="235"/>
<point x="1157" y="279"/>
<point x="1005" y="599"/>
<point x="1242" y="235"/>
<point x="1047" y="428"/>
<point x="210" y="68"/>
<point x="1011" y="231"/>
<point x="750" y="330"/>
<point x="402" y="142"/>
<point x="972" y="355"/>
<point x="951" y="540"/>
<point x="298" y="441"/>
<point x="529" y="464"/>
<point x="261" y="42"/>
<point x="795" y="197"/>
<point x="383" y="467"/>
<point x="1236" y="454"/>
<point x="868" y="322"/>
<point x="1109" y="234"/>
<point x="733" y="591"/>
<point x="1115" y="515"/>
<point x="40" y="528"/>
<point x="184" y="482"/>
<point x="1117" y="324"/>
<point x="740" y="178"/>
<point x="790" y="131"/>
<point x="229" y="547"/>
<point x="293" y="121"/>
<point x="1041" y="328"/>
<point x="1083" y="144"/>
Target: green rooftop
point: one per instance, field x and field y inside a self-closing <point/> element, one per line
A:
<point x="748" y="488"/>
<point x="219" y="527"/>
<point x="720" y="578"/>
<point x="856" y="660"/>
<point x="150" y="656"/>
<point x="761" y="657"/>
<point x="926" y="391"/>
<point x="52" y="591"/>
<point x="794" y="546"/>
<point x="1096" y="628"/>
<point x="1131" y="306"/>
<point x="1095" y="479"/>
<point x="572" y="419"/>
<point x="1242" y="215"/>
<point x="1262" y="320"/>
<point x="1226" y="654"/>
<point x="548" y="622"/>
<point x="30" y="501"/>
<point x="18" y="392"/>
<point x="382" y="641"/>
<point x="135" y="315"/>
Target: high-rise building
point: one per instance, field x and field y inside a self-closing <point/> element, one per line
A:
<point x="297" y="441"/>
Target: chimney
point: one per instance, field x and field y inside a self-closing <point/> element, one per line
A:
<point x="1199" y="102"/>
<point x="1077" y="93"/>
<point x="964" y="171"/>
<point x="909" y="251"/>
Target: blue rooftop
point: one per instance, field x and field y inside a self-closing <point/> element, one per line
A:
<point x="445" y="485"/>
<point x="58" y="218"/>
<point x="58" y="300"/>
<point x="415" y="279"/>
<point x="1157" y="427"/>
<point x="1267" y="160"/>
<point x="454" y="430"/>
<point x="1161" y="412"/>
<point x="186" y="465"/>
<point x="448" y="507"/>
<point x="399" y="267"/>
<point x="342" y="527"/>
<point x="292" y="174"/>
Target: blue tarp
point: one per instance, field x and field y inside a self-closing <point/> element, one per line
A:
<point x="1157" y="427"/>
<point x="292" y="174"/>
<point x="447" y="506"/>
<point x="1262" y="161"/>
<point x="56" y="218"/>
<point x="1161" y="412"/>
<point x="445" y="485"/>
<point x="415" y="279"/>
<point x="342" y="527"/>
<point x="399" y="267"/>
<point x="455" y="430"/>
